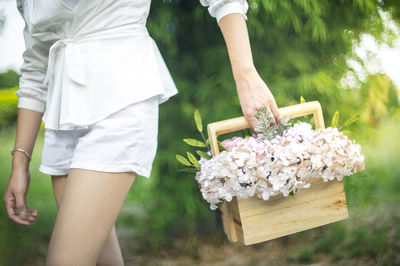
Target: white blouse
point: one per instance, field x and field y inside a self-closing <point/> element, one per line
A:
<point x="87" y="59"/>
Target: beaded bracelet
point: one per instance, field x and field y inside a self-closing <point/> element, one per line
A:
<point x="19" y="149"/>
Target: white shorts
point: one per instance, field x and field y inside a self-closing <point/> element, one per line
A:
<point x="124" y="141"/>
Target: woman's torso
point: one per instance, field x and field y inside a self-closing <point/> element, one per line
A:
<point x="103" y="58"/>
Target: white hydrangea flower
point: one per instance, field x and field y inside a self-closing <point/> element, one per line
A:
<point x="257" y="167"/>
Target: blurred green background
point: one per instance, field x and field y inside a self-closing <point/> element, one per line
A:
<point x="300" y="48"/>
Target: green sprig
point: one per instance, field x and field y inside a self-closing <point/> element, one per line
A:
<point x="268" y="131"/>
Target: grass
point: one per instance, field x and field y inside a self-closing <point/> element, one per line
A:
<point x="372" y="231"/>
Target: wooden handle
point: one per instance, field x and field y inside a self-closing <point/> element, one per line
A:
<point x="239" y="123"/>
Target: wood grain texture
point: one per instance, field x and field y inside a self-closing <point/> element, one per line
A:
<point x="227" y="218"/>
<point x="322" y="203"/>
<point x="237" y="222"/>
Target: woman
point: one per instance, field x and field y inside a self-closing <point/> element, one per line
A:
<point x="95" y="77"/>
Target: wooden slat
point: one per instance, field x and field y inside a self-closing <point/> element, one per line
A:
<point x="237" y="222"/>
<point x="318" y="205"/>
<point x="256" y="203"/>
<point x="227" y="221"/>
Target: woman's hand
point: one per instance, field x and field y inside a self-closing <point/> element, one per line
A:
<point x="254" y="93"/>
<point x="28" y="124"/>
<point x="15" y="197"/>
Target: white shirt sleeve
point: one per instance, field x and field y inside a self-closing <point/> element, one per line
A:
<point x="32" y="94"/>
<point x="221" y="8"/>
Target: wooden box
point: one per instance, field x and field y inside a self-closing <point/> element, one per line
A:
<point x="253" y="220"/>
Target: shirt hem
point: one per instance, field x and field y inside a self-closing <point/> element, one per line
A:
<point x="70" y="125"/>
<point x="114" y="168"/>
<point x="52" y="171"/>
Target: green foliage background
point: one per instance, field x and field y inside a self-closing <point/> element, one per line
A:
<point x="300" y="49"/>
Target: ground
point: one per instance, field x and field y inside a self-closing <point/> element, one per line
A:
<point x="216" y="250"/>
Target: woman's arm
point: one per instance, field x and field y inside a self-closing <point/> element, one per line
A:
<point x="32" y="97"/>
<point x="252" y="91"/>
<point x="28" y="124"/>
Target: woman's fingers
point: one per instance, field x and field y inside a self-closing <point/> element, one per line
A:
<point x="33" y="212"/>
<point x="22" y="210"/>
<point x="18" y="211"/>
<point x="254" y="93"/>
<point x="253" y="121"/>
<point x="15" y="198"/>
<point x="271" y="109"/>
<point x="22" y="213"/>
<point x="12" y="212"/>
<point x="275" y="112"/>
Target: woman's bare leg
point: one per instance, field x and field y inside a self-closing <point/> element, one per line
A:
<point x="111" y="252"/>
<point x="88" y="208"/>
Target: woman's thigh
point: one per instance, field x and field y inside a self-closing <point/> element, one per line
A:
<point x="58" y="182"/>
<point x="90" y="205"/>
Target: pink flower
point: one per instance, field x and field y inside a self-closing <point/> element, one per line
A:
<point x="229" y="144"/>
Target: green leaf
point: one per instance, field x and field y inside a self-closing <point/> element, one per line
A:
<point x="188" y="170"/>
<point x="197" y="120"/>
<point x="335" y="119"/>
<point x="193" y="159"/>
<point x="183" y="160"/>
<point x="266" y="131"/>
<point x="302" y="100"/>
<point x="346" y="132"/>
<point x="220" y="147"/>
<point x="195" y="142"/>
<point x="203" y="154"/>
<point x="351" y="120"/>
<point x="243" y="132"/>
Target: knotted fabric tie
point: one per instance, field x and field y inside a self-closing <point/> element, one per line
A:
<point x="73" y="58"/>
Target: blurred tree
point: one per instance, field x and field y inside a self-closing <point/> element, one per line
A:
<point x="9" y="79"/>
<point x="379" y="97"/>
<point x="8" y="108"/>
<point x="299" y="48"/>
